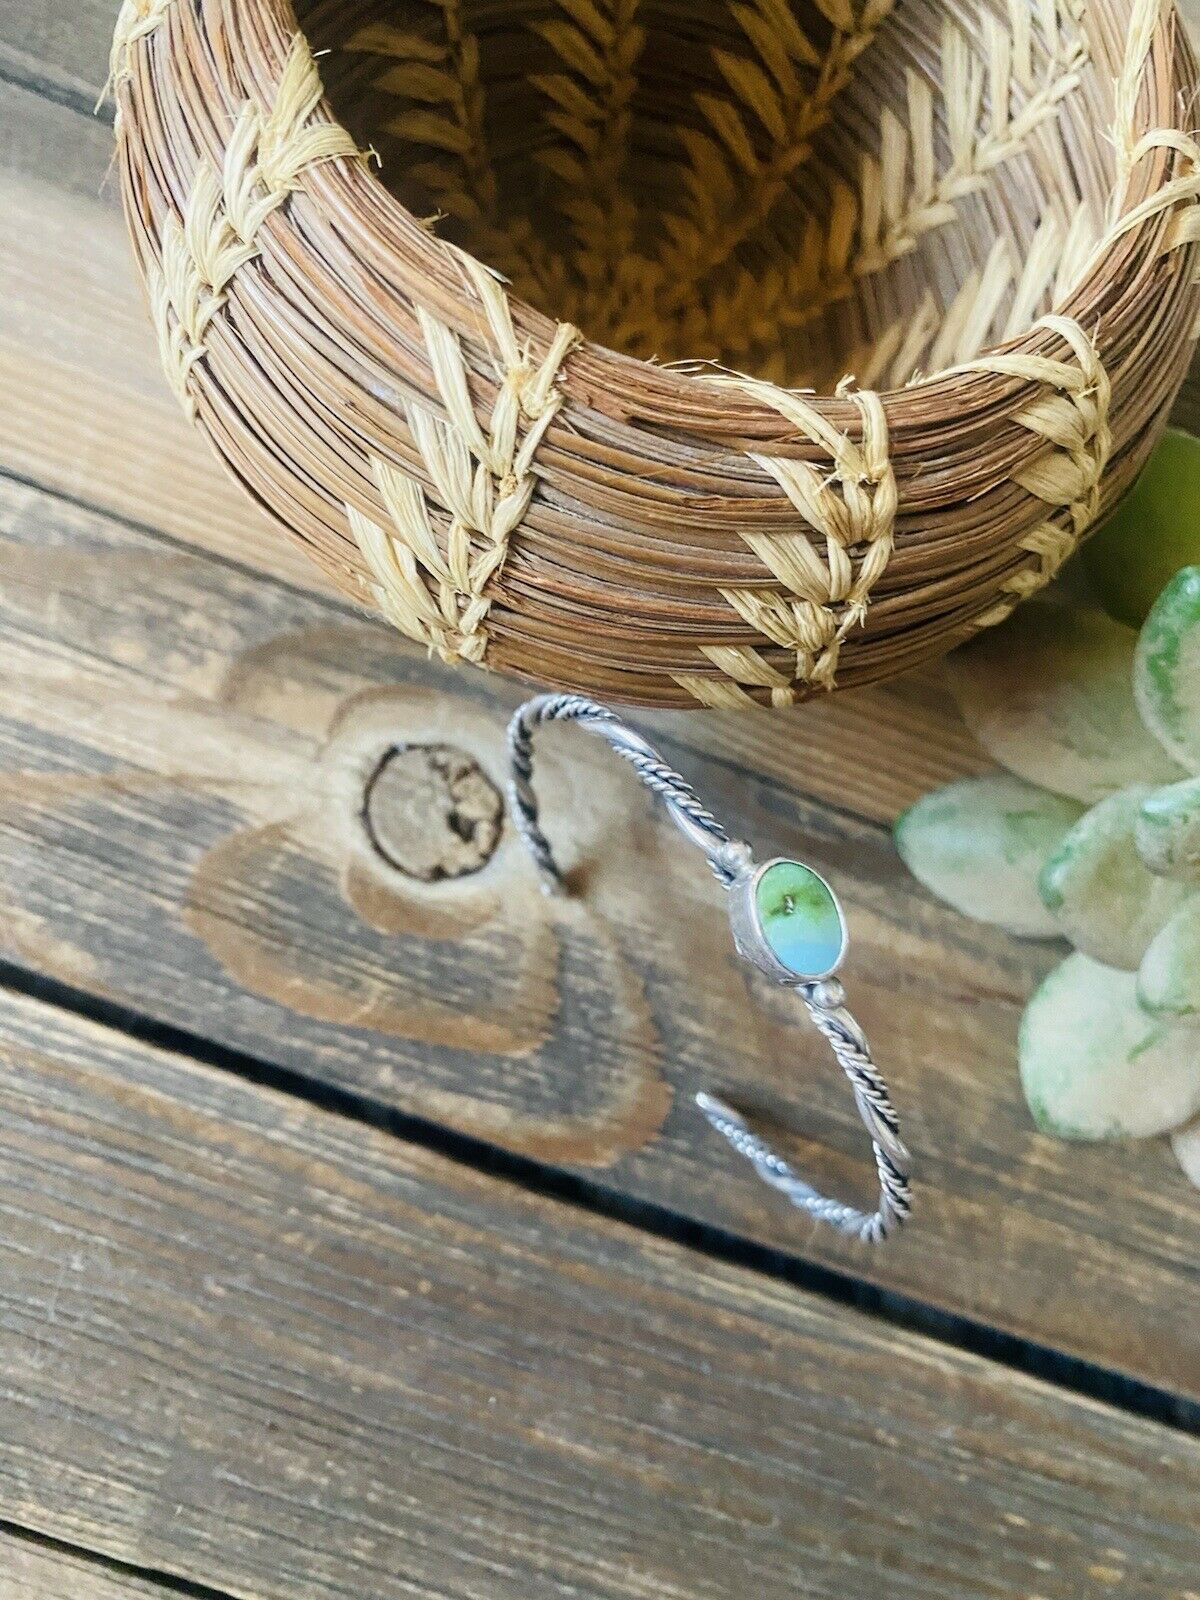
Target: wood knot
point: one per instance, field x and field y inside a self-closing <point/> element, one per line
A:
<point x="431" y="812"/>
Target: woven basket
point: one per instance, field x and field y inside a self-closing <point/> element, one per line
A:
<point x="812" y="335"/>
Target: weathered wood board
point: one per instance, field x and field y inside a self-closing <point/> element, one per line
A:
<point x="252" y="1345"/>
<point x="33" y="1569"/>
<point x="247" y="1341"/>
<point x="191" y="823"/>
<point x="63" y="49"/>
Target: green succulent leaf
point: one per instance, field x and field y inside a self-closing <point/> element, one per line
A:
<point x="1098" y="889"/>
<point x="1094" y="1065"/>
<point x="1167" y="668"/>
<point x="1167" y="831"/>
<point x="979" y="844"/>
<point x="1049" y="695"/>
<point x="1169" y="977"/>
<point x="1154" y="531"/>
<point x="1185" y="1142"/>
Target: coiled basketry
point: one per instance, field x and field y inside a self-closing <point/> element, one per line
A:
<point x="676" y="353"/>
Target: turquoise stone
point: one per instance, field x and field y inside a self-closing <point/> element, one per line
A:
<point x="799" y="918"/>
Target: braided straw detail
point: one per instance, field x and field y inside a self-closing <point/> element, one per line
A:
<point x="853" y="508"/>
<point x="1146" y="17"/>
<point x="135" y="20"/>
<point x="484" y="480"/>
<point x="992" y="105"/>
<point x="224" y="212"/>
<point x="1075" y="419"/>
<point x="1179" y="193"/>
<point x="1072" y="416"/>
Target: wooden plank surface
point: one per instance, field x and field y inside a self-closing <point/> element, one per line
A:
<point x="289" y="952"/>
<point x="241" y="1336"/>
<point x="188" y="756"/>
<point x="251" y="1344"/>
<point x="32" y="1569"/>
<point x="61" y="46"/>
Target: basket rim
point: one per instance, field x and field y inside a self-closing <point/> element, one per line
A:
<point x="384" y="222"/>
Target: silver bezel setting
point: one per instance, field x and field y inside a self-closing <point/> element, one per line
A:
<point x="748" y="935"/>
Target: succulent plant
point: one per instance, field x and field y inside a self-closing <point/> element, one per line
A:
<point x="1092" y="832"/>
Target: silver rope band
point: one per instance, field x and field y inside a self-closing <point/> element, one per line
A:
<point x="732" y="863"/>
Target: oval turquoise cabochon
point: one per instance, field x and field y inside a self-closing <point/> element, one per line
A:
<point x="799" y="918"/>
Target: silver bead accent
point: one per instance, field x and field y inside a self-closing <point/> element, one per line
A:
<point x="827" y="994"/>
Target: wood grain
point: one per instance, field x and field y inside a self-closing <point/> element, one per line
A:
<point x="34" y="1570"/>
<point x="69" y="45"/>
<point x="182" y="767"/>
<point x="253" y="1344"/>
<point x="244" y="1337"/>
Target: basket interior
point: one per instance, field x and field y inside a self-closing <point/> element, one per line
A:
<point x="798" y="191"/>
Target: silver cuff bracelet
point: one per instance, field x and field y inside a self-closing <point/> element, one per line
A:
<point x="786" y="921"/>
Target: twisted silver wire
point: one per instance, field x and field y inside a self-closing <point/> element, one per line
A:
<point x="729" y="859"/>
<point x="892" y="1160"/>
<point x="684" y="804"/>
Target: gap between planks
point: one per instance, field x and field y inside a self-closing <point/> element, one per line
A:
<point x="34" y="1566"/>
<point x="250" y="1342"/>
<point x="137" y="671"/>
<point x="56" y="197"/>
<point x="891" y="1307"/>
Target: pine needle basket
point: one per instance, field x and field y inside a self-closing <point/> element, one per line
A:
<point x="708" y="353"/>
